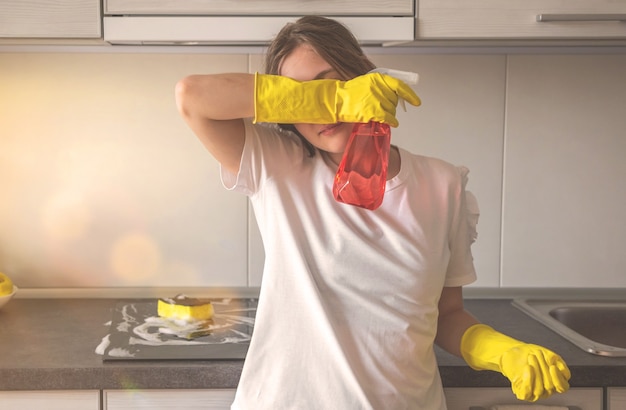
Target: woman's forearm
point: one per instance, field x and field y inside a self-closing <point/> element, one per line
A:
<point x="217" y="96"/>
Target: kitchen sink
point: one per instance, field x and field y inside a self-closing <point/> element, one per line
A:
<point x="597" y="327"/>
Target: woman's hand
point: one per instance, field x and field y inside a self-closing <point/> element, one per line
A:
<point x="534" y="371"/>
<point x="372" y="97"/>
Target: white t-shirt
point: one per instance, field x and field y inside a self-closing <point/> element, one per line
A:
<point x="347" y="312"/>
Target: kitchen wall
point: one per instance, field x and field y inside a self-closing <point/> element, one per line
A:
<point x="103" y="185"/>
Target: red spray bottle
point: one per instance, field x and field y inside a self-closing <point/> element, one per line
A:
<point x="362" y="174"/>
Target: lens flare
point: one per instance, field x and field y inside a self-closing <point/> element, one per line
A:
<point x="135" y="256"/>
<point x="65" y="216"/>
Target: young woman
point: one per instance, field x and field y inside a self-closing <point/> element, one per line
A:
<point x="352" y="300"/>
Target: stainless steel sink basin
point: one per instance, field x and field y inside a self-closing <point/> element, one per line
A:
<point x="597" y="327"/>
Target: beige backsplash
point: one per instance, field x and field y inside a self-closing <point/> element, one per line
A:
<point x="104" y="189"/>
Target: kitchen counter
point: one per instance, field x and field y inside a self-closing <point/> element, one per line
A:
<point x="50" y="344"/>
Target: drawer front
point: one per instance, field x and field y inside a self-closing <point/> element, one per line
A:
<point x="485" y="397"/>
<point x="50" y="19"/>
<point x="50" y="400"/>
<point x="517" y="19"/>
<point x="617" y="398"/>
<point x="264" y="7"/>
<point x="212" y="399"/>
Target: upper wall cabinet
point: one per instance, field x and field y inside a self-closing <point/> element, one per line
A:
<point x="521" y="19"/>
<point x="262" y="7"/>
<point x="50" y="19"/>
<point x="248" y="22"/>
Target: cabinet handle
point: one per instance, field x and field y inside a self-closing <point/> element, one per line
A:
<point x="581" y="17"/>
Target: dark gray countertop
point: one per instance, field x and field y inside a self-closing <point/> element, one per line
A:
<point x="49" y="344"/>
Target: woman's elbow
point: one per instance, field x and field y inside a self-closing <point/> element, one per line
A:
<point x="184" y="95"/>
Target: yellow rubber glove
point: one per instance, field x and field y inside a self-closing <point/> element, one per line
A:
<point x="534" y="371"/>
<point x="370" y="97"/>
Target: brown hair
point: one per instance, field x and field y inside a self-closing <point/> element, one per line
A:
<point x="330" y="39"/>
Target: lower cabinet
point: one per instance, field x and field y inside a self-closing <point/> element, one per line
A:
<point x="461" y="398"/>
<point x="214" y="399"/>
<point x="464" y="398"/>
<point x="50" y="400"/>
<point x="617" y="398"/>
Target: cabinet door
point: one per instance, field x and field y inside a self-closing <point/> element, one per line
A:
<point x="518" y="19"/>
<point x="218" y="399"/>
<point x="50" y="19"/>
<point x="462" y="398"/>
<point x="564" y="194"/>
<point x="617" y="398"/>
<point x="264" y="7"/>
<point x="50" y="400"/>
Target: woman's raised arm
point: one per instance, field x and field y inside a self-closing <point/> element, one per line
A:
<point x="214" y="107"/>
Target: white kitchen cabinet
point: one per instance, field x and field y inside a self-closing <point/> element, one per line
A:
<point x="517" y="19"/>
<point x="249" y="21"/>
<point x="564" y="192"/>
<point x="51" y="400"/>
<point x="214" y="399"/>
<point x="617" y="398"/>
<point x="462" y="398"/>
<point x="50" y="19"/>
<point x="264" y="7"/>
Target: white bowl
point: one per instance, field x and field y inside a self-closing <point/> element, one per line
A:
<point x="5" y="299"/>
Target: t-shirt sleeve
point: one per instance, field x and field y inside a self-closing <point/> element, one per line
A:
<point x="461" y="270"/>
<point x="243" y="181"/>
<point x="267" y="151"/>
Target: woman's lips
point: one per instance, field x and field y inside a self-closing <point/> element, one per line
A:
<point x="329" y="129"/>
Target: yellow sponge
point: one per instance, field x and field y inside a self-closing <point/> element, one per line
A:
<point x="6" y="285"/>
<point x="185" y="308"/>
